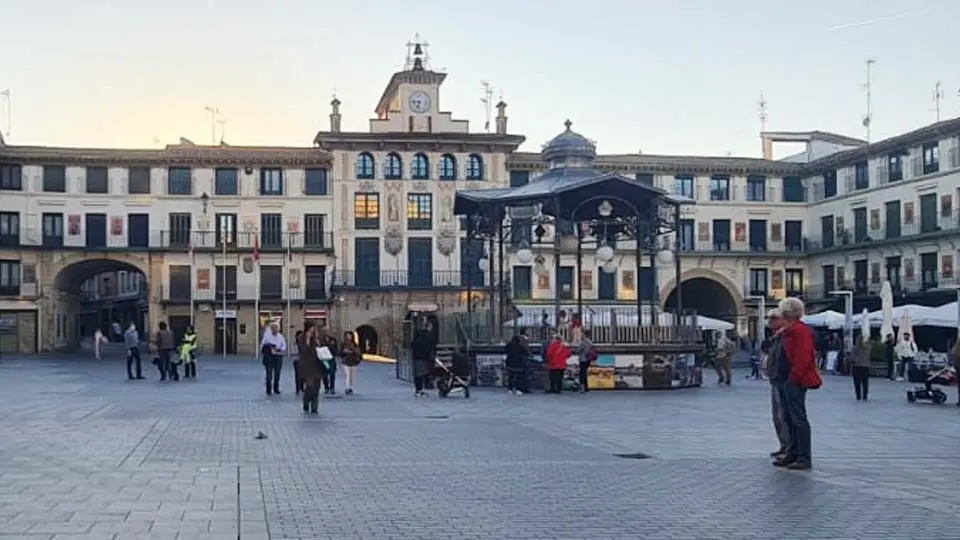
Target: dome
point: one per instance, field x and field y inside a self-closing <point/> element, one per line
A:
<point x="569" y="149"/>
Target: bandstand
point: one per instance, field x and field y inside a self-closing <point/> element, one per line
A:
<point x="575" y="210"/>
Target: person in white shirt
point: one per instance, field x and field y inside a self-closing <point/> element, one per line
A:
<point x="906" y="354"/>
<point x="272" y="348"/>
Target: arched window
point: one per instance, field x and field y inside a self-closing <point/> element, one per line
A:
<point x="474" y="167"/>
<point x="365" y="166"/>
<point x="393" y="167"/>
<point x="420" y="168"/>
<point x="448" y="167"/>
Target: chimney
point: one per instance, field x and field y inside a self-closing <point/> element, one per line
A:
<point x="766" y="146"/>
<point x="335" y="116"/>
<point x="501" y="118"/>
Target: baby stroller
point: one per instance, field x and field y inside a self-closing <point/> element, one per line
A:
<point x="946" y="376"/>
<point x="451" y="375"/>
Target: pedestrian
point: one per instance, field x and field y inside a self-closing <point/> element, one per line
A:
<point x="797" y="372"/>
<point x="889" y="345"/>
<point x="423" y="350"/>
<point x="518" y="355"/>
<point x="906" y="354"/>
<point x="188" y="353"/>
<point x="556" y="357"/>
<point x="586" y="355"/>
<point x="328" y="362"/>
<point x="163" y="341"/>
<point x="98" y="341"/>
<point x="775" y="356"/>
<point x="723" y="364"/>
<point x="131" y="339"/>
<point x="295" y="353"/>
<point x="350" y="357"/>
<point x="955" y="353"/>
<point x="308" y="365"/>
<point x="861" y="368"/>
<point x="272" y="347"/>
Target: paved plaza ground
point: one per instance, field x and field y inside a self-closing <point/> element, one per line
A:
<point x="86" y="454"/>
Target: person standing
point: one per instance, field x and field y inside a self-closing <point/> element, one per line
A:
<point x="423" y="350"/>
<point x="272" y="348"/>
<point x="797" y="372"/>
<point x="295" y="353"/>
<point x="131" y="338"/>
<point x="188" y="353"/>
<point x="328" y="362"/>
<point x="774" y="359"/>
<point x="516" y="364"/>
<point x="308" y="365"/>
<point x="861" y="368"/>
<point x="726" y="348"/>
<point x="98" y="341"/>
<point x="955" y="353"/>
<point x="586" y="354"/>
<point x="556" y="357"/>
<point x="350" y="357"/>
<point x="889" y="344"/>
<point x="163" y="341"/>
<point x="906" y="354"/>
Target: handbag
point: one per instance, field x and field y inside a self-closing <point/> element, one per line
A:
<point x="324" y="354"/>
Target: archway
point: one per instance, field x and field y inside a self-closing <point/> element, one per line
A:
<point x="94" y="293"/>
<point x="708" y="297"/>
<point x="368" y="339"/>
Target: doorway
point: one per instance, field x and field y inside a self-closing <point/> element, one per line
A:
<point x="225" y="336"/>
<point x="178" y="326"/>
<point x="367" y="339"/>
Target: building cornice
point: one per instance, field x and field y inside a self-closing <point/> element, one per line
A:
<point x="672" y="165"/>
<point x="427" y="142"/>
<point x="173" y="155"/>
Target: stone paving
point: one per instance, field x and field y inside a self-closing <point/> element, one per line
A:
<point x="86" y="454"/>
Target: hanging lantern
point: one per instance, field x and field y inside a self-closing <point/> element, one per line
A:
<point x="610" y="267"/>
<point x="524" y="256"/>
<point x="605" y="253"/>
<point x="665" y="257"/>
<point x="484" y="264"/>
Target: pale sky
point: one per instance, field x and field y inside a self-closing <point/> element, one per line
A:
<point x="679" y="77"/>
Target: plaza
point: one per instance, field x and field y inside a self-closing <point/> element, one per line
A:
<point x="86" y="454"/>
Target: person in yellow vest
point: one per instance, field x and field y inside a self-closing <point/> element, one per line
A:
<point x="188" y="353"/>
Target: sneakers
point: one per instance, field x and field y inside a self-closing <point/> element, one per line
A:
<point x="420" y="394"/>
<point x="519" y="393"/>
<point x="800" y="465"/>
<point x="348" y="391"/>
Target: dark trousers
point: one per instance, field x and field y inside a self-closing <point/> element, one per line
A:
<point x="297" y="381"/>
<point x="272" y="364"/>
<point x="311" y="395"/>
<point x="795" y="417"/>
<point x="133" y="356"/>
<point x="517" y="379"/>
<point x="166" y="366"/>
<point x="190" y="370"/>
<point x="584" y="376"/>
<point x="420" y="382"/>
<point x="328" y="370"/>
<point x="905" y="367"/>
<point x="890" y="367"/>
<point x="861" y="381"/>
<point x="556" y="381"/>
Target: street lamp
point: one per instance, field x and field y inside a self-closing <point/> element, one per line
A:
<point x="848" y="318"/>
<point x="761" y="317"/>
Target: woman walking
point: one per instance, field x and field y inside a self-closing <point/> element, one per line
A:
<point x="861" y="369"/>
<point x="308" y="364"/>
<point x="295" y="352"/>
<point x="327" y="351"/>
<point x="557" y="356"/>
<point x="350" y="357"/>
<point x="272" y="348"/>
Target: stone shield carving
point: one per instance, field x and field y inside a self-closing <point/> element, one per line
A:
<point x="393" y="241"/>
<point x="446" y="242"/>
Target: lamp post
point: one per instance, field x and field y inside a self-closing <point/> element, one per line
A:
<point x="761" y="311"/>
<point x="848" y="319"/>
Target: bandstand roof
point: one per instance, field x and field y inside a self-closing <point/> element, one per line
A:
<point x="560" y="191"/>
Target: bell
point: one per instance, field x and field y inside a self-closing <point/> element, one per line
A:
<point x="418" y="49"/>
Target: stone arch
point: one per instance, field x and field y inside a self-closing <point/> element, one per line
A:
<point x="368" y="339"/>
<point x="74" y="268"/>
<point x="701" y="276"/>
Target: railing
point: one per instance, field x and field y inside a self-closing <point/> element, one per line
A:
<point x="316" y="241"/>
<point x="920" y="283"/>
<point x="850" y="237"/>
<point x="725" y="246"/>
<point x="438" y="279"/>
<point x="242" y="293"/>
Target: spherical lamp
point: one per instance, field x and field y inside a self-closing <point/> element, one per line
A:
<point x="605" y="253"/>
<point x="484" y="264"/>
<point x="609" y="267"/>
<point x="524" y="255"/>
<point x="665" y="257"/>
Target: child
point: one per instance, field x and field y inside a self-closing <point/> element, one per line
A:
<point x="755" y="366"/>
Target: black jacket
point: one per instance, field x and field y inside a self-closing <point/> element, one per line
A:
<point x="423" y="349"/>
<point x="517" y="355"/>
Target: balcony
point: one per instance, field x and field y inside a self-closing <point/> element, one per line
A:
<point x="438" y="279"/>
<point x="242" y="293"/>
<point x="298" y="242"/>
<point x="848" y="238"/>
<point x="724" y="247"/>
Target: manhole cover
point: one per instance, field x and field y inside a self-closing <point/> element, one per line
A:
<point x="633" y="456"/>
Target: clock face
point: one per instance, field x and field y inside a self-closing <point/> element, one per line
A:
<point x="419" y="102"/>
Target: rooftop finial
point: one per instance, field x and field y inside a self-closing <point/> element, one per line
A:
<point x="417" y="56"/>
<point x="568" y="124"/>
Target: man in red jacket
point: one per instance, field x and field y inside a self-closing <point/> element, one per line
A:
<point x="797" y="373"/>
<point x="556" y="357"/>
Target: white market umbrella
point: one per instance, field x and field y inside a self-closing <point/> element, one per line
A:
<point x="827" y="318"/>
<point x="906" y="324"/>
<point x="865" y="324"/>
<point x="886" y="309"/>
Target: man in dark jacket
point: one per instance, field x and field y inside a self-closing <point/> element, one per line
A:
<point x="518" y="352"/>
<point x="889" y="344"/>
<point x="775" y="356"/>
<point x="423" y="350"/>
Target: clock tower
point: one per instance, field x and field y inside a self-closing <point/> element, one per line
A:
<point x="410" y="102"/>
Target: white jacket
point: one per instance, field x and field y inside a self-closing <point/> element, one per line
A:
<point x="906" y="349"/>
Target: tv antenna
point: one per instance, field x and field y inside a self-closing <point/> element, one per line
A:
<point x="937" y="98"/>
<point x="762" y="108"/>
<point x="868" y="118"/>
<point x="156" y="142"/>
<point x="487" y="101"/>
<point x="6" y="94"/>
<point x="214" y="113"/>
<point x="222" y="122"/>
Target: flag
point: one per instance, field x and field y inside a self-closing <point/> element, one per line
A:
<point x="256" y="249"/>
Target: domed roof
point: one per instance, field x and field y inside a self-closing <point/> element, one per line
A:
<point x="569" y="149"/>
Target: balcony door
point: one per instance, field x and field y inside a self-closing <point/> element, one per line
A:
<point x="606" y="285"/>
<point x="420" y="262"/>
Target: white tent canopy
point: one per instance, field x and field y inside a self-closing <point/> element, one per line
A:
<point x="919" y="316"/>
<point x="825" y="319"/>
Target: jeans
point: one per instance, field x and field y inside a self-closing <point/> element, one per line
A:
<point x="776" y="409"/>
<point x="556" y="381"/>
<point x="795" y="417"/>
<point x="517" y="379"/>
<point x="584" y="376"/>
<point x="311" y="395"/>
<point x="165" y="366"/>
<point x="890" y="367"/>
<point x="861" y="381"/>
<point x="272" y="365"/>
<point x="905" y="367"/>
<point x="328" y="370"/>
<point x="420" y="382"/>
<point x="133" y="356"/>
<point x="297" y="381"/>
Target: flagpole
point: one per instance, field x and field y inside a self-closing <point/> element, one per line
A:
<point x="193" y="277"/>
<point x="223" y="306"/>
<point x="286" y="270"/>
<point x="256" y="298"/>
